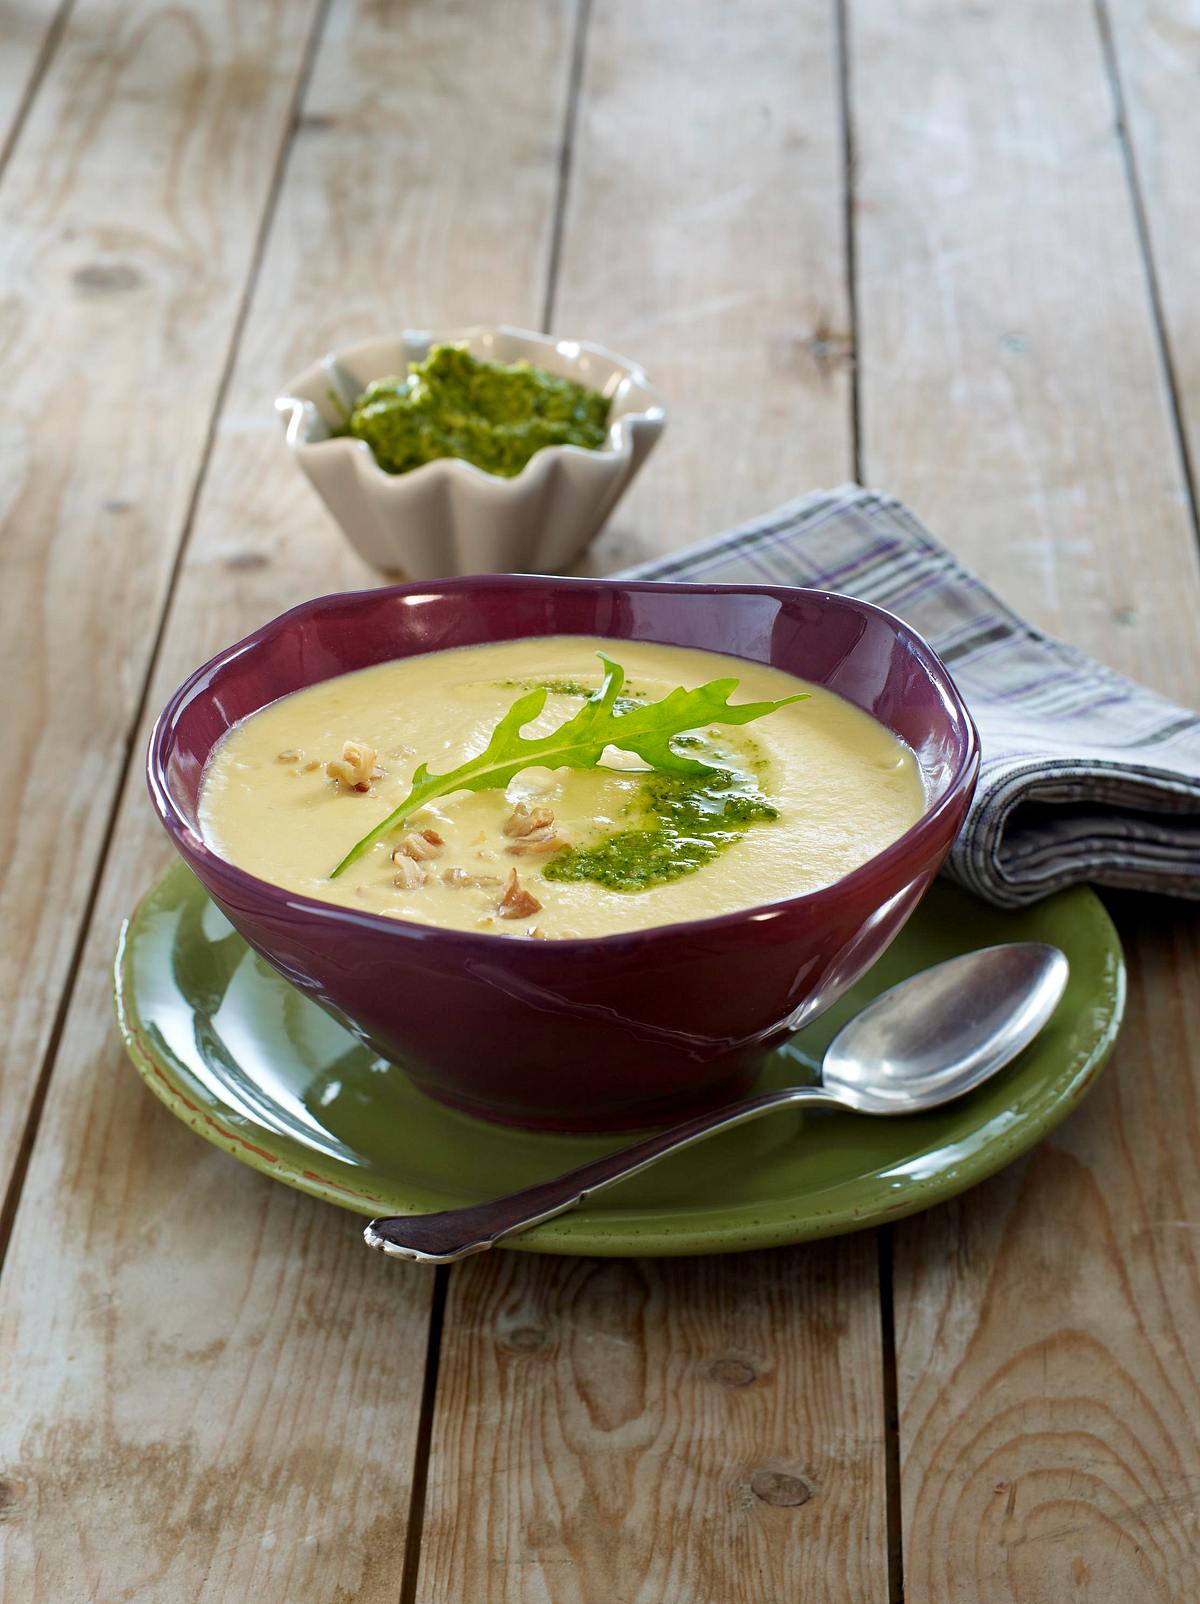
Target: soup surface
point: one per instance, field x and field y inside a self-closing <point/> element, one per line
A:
<point x="802" y="795"/>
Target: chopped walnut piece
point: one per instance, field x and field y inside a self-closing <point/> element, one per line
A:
<point x="355" y="767"/>
<point x="419" y="844"/>
<point x="542" y="842"/>
<point x="517" y="903"/>
<point x="409" y="873"/>
<point x="523" y="820"/>
<point x="462" y="877"/>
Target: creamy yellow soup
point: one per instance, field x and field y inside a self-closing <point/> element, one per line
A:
<point x="290" y="790"/>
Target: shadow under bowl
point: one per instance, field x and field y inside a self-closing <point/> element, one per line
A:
<point x="607" y="1033"/>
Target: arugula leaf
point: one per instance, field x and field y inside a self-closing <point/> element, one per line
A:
<point x="646" y="730"/>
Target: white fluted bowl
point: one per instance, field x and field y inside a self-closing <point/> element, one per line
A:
<point x="449" y="517"/>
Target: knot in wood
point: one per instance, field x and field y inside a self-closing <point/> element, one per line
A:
<point x="730" y="1372"/>
<point x="777" y="1487"/>
<point x="527" y="1339"/>
<point x="105" y="278"/>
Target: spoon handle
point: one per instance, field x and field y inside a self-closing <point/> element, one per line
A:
<point x="453" y="1234"/>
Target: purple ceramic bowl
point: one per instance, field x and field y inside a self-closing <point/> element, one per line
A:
<point x="612" y="1032"/>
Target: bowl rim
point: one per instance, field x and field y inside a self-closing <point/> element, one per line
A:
<point x="877" y="868"/>
<point x="294" y="409"/>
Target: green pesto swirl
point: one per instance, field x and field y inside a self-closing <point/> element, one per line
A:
<point x="685" y="821"/>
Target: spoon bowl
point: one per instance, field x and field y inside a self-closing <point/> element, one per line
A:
<point x="940" y="1033"/>
<point x="933" y="1037"/>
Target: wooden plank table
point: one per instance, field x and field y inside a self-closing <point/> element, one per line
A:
<point x="949" y="248"/>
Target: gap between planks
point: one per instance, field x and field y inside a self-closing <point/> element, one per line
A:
<point x="8" y="1208"/>
<point x="410" y="1575"/>
<point x="1112" y="63"/>
<point x="883" y="1235"/>
<point x="891" y="1415"/>
<point x="583" y="16"/>
<point x="849" y="239"/>
<point x="55" y="29"/>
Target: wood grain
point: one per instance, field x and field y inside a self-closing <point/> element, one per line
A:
<point x="128" y="221"/>
<point x="1156" y="45"/>
<point x="704" y="239"/>
<point x="1047" y="1336"/>
<point x="649" y="1432"/>
<point x="1013" y="392"/>
<point x="209" y="1390"/>
<point x="1012" y="389"/>
<point x="699" y="1430"/>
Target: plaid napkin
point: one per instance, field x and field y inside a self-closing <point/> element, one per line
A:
<point x="1084" y="776"/>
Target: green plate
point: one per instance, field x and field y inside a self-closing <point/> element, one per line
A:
<point x="252" y="1065"/>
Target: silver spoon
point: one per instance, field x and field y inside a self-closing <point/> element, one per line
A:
<point x="929" y="1039"/>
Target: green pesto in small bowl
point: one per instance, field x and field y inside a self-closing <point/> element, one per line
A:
<point x="492" y="414"/>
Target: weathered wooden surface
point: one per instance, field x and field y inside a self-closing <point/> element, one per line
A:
<point x="705" y="1430"/>
<point x="219" y="1390"/>
<point x="129" y="215"/>
<point x="1012" y="387"/>
<point x="1046" y="1336"/>
<point x="207" y="1392"/>
<point x="1014" y="392"/>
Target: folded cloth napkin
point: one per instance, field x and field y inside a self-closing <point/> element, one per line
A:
<point x="1084" y="775"/>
